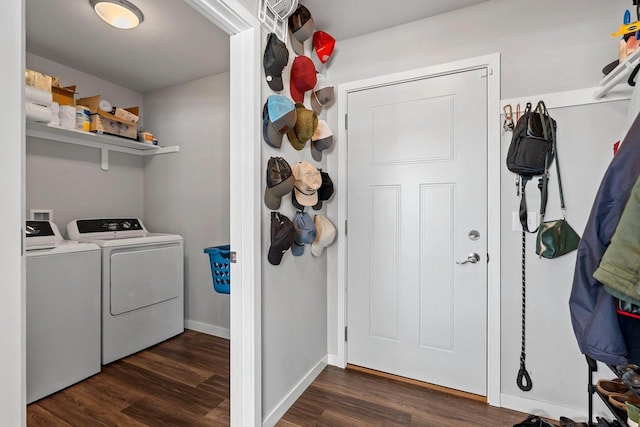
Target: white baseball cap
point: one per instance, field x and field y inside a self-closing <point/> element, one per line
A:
<point x="325" y="234"/>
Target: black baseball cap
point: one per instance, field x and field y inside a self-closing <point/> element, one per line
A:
<point x="325" y="191"/>
<point x="282" y="235"/>
<point x="276" y="57"/>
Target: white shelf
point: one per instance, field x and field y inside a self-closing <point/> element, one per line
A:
<point x="105" y="143"/>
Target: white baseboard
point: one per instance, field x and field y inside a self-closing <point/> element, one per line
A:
<point x="206" y="328"/>
<point x="548" y="409"/>
<point x="287" y="401"/>
<point x="335" y="360"/>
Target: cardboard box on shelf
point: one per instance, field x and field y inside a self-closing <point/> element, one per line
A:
<point x="121" y="113"/>
<point x="105" y="122"/>
<point x="64" y="95"/>
<point x="38" y="80"/>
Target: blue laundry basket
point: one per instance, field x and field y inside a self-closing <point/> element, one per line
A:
<point x="220" y="268"/>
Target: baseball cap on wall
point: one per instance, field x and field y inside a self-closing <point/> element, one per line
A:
<point x="301" y="27"/>
<point x="307" y="181"/>
<point x="276" y="57"/>
<point x="322" y="139"/>
<point x="325" y="234"/>
<point x="323" y="45"/>
<point x="305" y="232"/>
<point x="278" y="117"/>
<point x="305" y="127"/>
<point x="303" y="77"/>
<point x="322" y="94"/>
<point x="279" y="182"/>
<point x="282" y="235"/>
<point x="325" y="191"/>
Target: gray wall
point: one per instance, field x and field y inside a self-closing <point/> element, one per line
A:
<point x="67" y="178"/>
<point x="187" y="193"/>
<point x="554" y="46"/>
<point x="294" y="294"/>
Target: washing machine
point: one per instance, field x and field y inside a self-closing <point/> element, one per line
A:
<point x="142" y="283"/>
<point x="62" y="310"/>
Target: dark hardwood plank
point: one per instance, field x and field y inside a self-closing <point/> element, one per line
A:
<point x="348" y="397"/>
<point x="154" y="412"/>
<point x="220" y="415"/>
<point x="37" y="416"/>
<point x="167" y="367"/>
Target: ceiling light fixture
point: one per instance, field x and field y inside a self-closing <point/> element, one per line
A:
<point x="118" y="13"/>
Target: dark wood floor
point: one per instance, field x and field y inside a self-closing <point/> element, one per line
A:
<point x="351" y="398"/>
<point x="185" y="382"/>
<point x="181" y="382"/>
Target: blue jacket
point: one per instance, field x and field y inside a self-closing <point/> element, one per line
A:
<point x="593" y="311"/>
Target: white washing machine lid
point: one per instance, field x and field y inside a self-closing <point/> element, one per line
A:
<point x="150" y="238"/>
<point x="63" y="247"/>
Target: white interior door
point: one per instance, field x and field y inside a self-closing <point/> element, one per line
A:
<point x="417" y="205"/>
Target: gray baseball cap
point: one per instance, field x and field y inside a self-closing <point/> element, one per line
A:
<point x="301" y="27"/>
<point x="279" y="182"/>
<point x="321" y="140"/>
<point x="276" y="57"/>
<point x="305" y="232"/>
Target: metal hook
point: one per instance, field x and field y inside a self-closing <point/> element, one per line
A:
<point x="508" y="114"/>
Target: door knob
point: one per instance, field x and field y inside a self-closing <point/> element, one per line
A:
<point x="472" y="258"/>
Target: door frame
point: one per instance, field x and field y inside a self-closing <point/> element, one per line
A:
<point x="492" y="64"/>
<point x="246" y="374"/>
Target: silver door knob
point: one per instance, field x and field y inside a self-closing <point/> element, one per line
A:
<point x="472" y="258"/>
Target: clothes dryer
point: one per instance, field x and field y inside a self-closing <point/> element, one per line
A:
<point x="62" y="310"/>
<point x="142" y="283"/>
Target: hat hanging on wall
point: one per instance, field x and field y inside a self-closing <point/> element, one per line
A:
<point x="323" y="45"/>
<point x="322" y="139"/>
<point x="325" y="234"/>
<point x="303" y="77"/>
<point x="278" y="117"/>
<point x="282" y="235"/>
<point x="305" y="127"/>
<point x="322" y="94"/>
<point x="279" y="182"/>
<point x="275" y="58"/>
<point x="273" y="15"/>
<point x="305" y="232"/>
<point x="307" y="182"/>
<point x="325" y="191"/>
<point x="301" y="28"/>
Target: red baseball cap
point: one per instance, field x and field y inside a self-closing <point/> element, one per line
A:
<point x="303" y="77"/>
<point x="323" y="45"/>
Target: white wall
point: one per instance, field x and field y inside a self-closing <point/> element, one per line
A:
<point x="551" y="46"/>
<point x="187" y="193"/>
<point x="294" y="310"/>
<point x="67" y="178"/>
<point x="12" y="374"/>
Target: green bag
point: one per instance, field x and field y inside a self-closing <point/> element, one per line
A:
<point x="556" y="238"/>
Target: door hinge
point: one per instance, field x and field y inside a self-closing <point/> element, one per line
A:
<point x="346" y="227"/>
<point x="233" y="257"/>
<point x="346" y="121"/>
<point x="345" y="334"/>
<point x="487" y="258"/>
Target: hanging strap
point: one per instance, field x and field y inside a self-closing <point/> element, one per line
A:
<point x="523" y="380"/>
<point x="545" y="177"/>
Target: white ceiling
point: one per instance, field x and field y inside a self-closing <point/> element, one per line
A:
<point x="176" y="44"/>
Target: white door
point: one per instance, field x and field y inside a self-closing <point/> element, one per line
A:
<point x="417" y="205"/>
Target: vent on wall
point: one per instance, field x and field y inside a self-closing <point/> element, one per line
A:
<point x="41" y="214"/>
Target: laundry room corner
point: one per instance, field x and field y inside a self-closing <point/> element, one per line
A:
<point x="189" y="194"/>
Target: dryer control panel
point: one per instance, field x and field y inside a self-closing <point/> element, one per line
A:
<point x="106" y="228"/>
